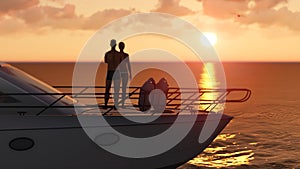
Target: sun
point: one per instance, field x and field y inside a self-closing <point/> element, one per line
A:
<point x="211" y="37"/>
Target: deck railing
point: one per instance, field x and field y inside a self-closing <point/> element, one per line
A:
<point x="205" y="100"/>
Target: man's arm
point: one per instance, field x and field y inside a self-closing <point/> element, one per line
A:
<point x="129" y="67"/>
<point x="105" y="58"/>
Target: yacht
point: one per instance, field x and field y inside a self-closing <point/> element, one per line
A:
<point x="41" y="129"/>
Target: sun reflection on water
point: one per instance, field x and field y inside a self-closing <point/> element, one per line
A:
<point x="225" y="151"/>
<point x="223" y="154"/>
<point x="208" y="80"/>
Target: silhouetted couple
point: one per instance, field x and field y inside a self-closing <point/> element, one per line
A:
<point x="118" y="69"/>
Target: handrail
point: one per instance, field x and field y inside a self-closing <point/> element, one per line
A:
<point x="174" y="100"/>
<point x="201" y="90"/>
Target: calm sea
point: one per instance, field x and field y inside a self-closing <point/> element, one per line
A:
<point x="265" y="131"/>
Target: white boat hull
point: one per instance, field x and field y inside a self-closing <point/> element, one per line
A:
<point x="61" y="143"/>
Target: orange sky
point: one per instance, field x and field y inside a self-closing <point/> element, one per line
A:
<point x="57" y="30"/>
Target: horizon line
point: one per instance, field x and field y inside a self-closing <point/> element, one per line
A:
<point x="151" y="61"/>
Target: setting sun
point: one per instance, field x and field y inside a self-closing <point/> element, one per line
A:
<point x="211" y="37"/>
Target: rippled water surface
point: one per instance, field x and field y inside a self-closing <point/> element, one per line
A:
<point x="265" y="131"/>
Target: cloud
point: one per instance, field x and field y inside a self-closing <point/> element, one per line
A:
<point x="32" y="17"/>
<point x="7" y="6"/>
<point x="262" y="12"/>
<point x="223" y="8"/>
<point x="265" y="4"/>
<point x="11" y="25"/>
<point x="40" y="14"/>
<point x="60" y="2"/>
<point x="281" y="17"/>
<point x="101" y="18"/>
<point x="172" y="7"/>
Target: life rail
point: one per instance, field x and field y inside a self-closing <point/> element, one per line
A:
<point x="206" y="99"/>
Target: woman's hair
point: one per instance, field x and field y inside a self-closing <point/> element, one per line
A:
<point x="121" y="45"/>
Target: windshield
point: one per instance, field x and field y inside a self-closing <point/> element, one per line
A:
<point x="44" y="87"/>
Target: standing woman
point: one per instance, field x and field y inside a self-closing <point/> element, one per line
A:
<point x="125" y="70"/>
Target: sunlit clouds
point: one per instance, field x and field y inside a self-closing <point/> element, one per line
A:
<point x="30" y="16"/>
<point x="247" y="30"/>
<point x="172" y="7"/>
<point x="35" y="14"/>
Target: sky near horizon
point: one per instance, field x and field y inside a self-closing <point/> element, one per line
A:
<point x="57" y="30"/>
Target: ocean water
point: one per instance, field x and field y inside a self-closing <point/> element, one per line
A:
<point x="265" y="131"/>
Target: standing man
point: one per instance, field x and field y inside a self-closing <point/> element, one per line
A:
<point x="113" y="58"/>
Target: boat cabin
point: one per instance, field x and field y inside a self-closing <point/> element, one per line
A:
<point x="23" y="94"/>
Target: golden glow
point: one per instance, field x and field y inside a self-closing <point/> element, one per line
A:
<point x="222" y="156"/>
<point x="211" y="37"/>
<point x="208" y="80"/>
<point x="208" y="76"/>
